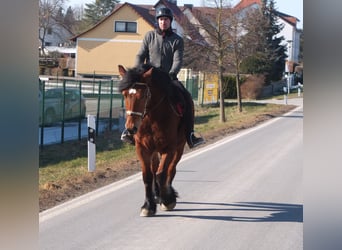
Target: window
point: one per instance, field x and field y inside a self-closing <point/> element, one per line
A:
<point x="121" y="26"/>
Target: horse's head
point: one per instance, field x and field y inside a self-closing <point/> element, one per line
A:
<point x="136" y="93"/>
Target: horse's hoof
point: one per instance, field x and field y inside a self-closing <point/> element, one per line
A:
<point x="146" y="213"/>
<point x="156" y="199"/>
<point x="168" y="207"/>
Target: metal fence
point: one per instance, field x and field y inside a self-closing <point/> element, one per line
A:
<point x="102" y="100"/>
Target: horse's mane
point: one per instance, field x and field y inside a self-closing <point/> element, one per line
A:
<point x="132" y="76"/>
<point x="160" y="79"/>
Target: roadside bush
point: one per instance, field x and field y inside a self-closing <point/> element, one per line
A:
<point x="229" y="86"/>
<point x="252" y="87"/>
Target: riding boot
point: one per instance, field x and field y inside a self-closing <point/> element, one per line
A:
<point x="195" y="141"/>
<point x="192" y="140"/>
<point x="127" y="137"/>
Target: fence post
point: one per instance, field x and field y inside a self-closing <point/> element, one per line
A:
<point x="111" y="105"/>
<point x="91" y="144"/>
<point x="98" y="106"/>
<point x="80" y="111"/>
<point x="42" y="113"/>
<point x="63" y="111"/>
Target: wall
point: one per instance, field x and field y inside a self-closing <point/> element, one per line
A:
<point x="101" y="50"/>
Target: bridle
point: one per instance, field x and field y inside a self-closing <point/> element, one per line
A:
<point x="132" y="90"/>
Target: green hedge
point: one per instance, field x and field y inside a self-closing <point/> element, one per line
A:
<point x="229" y="86"/>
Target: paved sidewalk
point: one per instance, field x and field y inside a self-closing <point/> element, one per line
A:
<point x="290" y="101"/>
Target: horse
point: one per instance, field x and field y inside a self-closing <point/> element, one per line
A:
<point x="159" y="132"/>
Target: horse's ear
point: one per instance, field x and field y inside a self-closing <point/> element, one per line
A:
<point x="122" y="70"/>
<point x="148" y="74"/>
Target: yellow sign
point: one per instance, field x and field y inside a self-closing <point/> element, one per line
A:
<point x="210" y="92"/>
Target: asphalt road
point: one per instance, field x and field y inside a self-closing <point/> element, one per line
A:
<point x="243" y="192"/>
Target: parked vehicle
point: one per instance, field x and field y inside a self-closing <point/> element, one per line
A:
<point x="55" y="100"/>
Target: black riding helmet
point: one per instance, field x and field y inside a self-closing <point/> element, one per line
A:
<point x="164" y="12"/>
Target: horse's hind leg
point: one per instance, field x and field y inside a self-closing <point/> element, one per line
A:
<point x="154" y="168"/>
<point x="169" y="200"/>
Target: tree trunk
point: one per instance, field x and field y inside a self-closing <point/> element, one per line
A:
<point x="238" y="92"/>
<point x="222" y="112"/>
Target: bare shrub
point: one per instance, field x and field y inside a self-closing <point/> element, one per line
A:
<point x="252" y="87"/>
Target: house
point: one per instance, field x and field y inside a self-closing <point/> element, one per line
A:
<point x="117" y="38"/>
<point x="56" y="35"/>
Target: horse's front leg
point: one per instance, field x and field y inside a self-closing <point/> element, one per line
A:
<point x="149" y="206"/>
<point x="165" y="175"/>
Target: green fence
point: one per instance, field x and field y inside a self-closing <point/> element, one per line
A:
<point x="66" y="102"/>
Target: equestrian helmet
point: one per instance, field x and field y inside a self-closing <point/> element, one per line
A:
<point x="164" y="12"/>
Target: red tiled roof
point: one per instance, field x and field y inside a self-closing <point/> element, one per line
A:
<point x="290" y="19"/>
<point x="245" y="3"/>
<point x="147" y="12"/>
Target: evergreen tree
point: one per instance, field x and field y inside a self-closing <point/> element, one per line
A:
<point x="59" y="15"/>
<point x="69" y="18"/>
<point x="267" y="55"/>
<point x="301" y="46"/>
<point x="94" y="12"/>
<point x="275" y="50"/>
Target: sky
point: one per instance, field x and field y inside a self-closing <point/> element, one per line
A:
<point x="290" y="7"/>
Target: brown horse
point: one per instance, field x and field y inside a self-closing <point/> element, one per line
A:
<point x="159" y="132"/>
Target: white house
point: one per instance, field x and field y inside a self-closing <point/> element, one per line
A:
<point x="290" y="32"/>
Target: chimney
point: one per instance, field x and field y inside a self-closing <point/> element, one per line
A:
<point x="188" y="6"/>
<point x="173" y="1"/>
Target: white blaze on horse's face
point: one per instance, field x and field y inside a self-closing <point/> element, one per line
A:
<point x="132" y="91"/>
<point x="135" y="103"/>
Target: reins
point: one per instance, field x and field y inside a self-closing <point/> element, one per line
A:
<point x="174" y="111"/>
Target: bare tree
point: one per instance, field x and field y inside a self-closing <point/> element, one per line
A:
<point x="48" y="10"/>
<point x="78" y="12"/>
<point x="224" y="45"/>
<point x="239" y="47"/>
<point x="214" y="43"/>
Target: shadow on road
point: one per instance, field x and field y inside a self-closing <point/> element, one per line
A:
<point x="276" y="212"/>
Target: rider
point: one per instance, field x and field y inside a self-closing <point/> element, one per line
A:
<point x="162" y="48"/>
